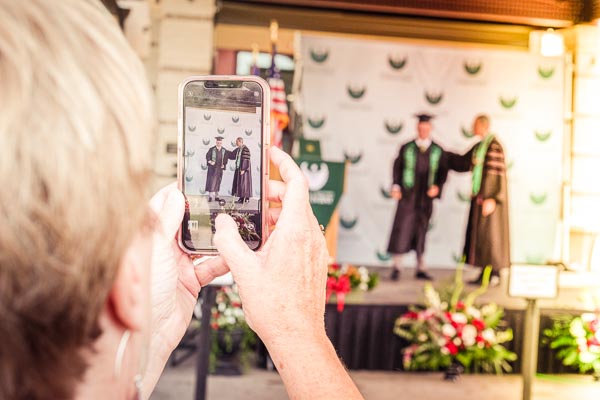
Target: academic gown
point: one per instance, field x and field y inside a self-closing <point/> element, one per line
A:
<point x="487" y="240"/>
<point x="414" y="210"/>
<point x="215" y="172"/>
<point x="242" y="184"/>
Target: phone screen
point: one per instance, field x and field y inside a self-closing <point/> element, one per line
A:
<point x="222" y="160"/>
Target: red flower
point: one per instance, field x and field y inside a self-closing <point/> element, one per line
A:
<point x="479" y="339"/>
<point x="214" y="325"/>
<point x="335" y="266"/>
<point x="460" y="306"/>
<point x="410" y="315"/>
<point x="479" y="324"/>
<point x="452" y="348"/>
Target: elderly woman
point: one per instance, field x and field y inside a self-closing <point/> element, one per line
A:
<point x="94" y="293"/>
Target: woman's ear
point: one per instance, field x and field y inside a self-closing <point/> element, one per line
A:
<point x="129" y="297"/>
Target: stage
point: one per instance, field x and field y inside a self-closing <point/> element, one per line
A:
<point x="363" y="333"/>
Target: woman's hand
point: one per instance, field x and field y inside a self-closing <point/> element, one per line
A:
<point x="175" y="282"/>
<point x="282" y="286"/>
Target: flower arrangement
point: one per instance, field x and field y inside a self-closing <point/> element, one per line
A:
<point x="577" y="341"/>
<point x="231" y="333"/>
<point x="454" y="330"/>
<point x="342" y="279"/>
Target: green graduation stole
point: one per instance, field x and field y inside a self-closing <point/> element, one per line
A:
<point x="410" y="163"/>
<point x="479" y="161"/>
<point x="213" y="155"/>
<point x="238" y="158"/>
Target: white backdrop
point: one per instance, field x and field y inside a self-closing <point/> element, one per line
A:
<point x="359" y="98"/>
<point x="202" y="126"/>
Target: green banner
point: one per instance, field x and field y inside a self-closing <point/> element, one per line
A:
<point x="326" y="184"/>
<point x="310" y="149"/>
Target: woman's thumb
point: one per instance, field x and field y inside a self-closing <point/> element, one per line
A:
<point x="230" y="244"/>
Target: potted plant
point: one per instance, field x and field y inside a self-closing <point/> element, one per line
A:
<point x="451" y="333"/>
<point x="232" y="339"/>
<point x="347" y="283"/>
<point x="577" y="342"/>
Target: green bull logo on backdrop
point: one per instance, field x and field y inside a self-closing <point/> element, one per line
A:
<point x="545" y="73"/>
<point x="397" y="62"/>
<point x="542" y="136"/>
<point x="393" y="127"/>
<point x="472" y="68"/>
<point x="356" y="92"/>
<point x="319" y="55"/>
<point x="434" y="98"/>
<point x="508" y="103"/>
<point x="325" y="185"/>
<point x="316" y="122"/>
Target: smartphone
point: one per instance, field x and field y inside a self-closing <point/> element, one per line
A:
<point x="223" y="137"/>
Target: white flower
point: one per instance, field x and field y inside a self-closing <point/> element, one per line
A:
<point x="473" y="312"/>
<point x="459" y="318"/>
<point x="441" y="342"/>
<point x="588" y="317"/>
<point x="489" y="309"/>
<point x="228" y="312"/>
<point x="586" y="357"/>
<point x="595" y="349"/>
<point x="489" y="335"/>
<point x="457" y="341"/>
<point x="597" y="335"/>
<point x="577" y="329"/>
<point x="422" y="337"/>
<point x="238" y="312"/>
<point x="444" y="351"/>
<point x="581" y="342"/>
<point x="448" y="330"/>
<point x="363" y="286"/>
<point x="444" y="306"/>
<point x="221" y="307"/>
<point x="469" y="334"/>
<point x="231" y="320"/>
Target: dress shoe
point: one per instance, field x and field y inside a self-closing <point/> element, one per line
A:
<point x="240" y="201"/>
<point x="395" y="275"/>
<point x="210" y="199"/>
<point x="424" y="276"/>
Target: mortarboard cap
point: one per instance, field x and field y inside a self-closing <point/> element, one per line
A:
<point x="424" y="117"/>
<point x="219" y="137"/>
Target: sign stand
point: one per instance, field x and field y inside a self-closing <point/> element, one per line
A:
<point x="532" y="282"/>
<point x="208" y="296"/>
<point x="529" y="355"/>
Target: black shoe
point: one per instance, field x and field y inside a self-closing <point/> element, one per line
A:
<point x="247" y="200"/>
<point x="424" y="276"/>
<point x="210" y="199"/>
<point x="395" y="275"/>
<point x="217" y="199"/>
<point x="240" y="201"/>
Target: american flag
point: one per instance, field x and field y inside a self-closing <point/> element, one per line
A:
<point x="279" y="109"/>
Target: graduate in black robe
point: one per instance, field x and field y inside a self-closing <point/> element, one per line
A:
<point x="242" y="179"/>
<point x="216" y="159"/>
<point x="420" y="172"/>
<point x="487" y="240"/>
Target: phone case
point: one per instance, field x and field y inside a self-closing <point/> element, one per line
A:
<point x="265" y="140"/>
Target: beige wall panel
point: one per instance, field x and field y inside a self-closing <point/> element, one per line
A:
<point x="188" y="8"/>
<point x="587" y="96"/>
<point x="165" y="162"/>
<point x="586" y="136"/>
<point x="186" y="45"/>
<point x="166" y="94"/>
<point x="585" y="175"/>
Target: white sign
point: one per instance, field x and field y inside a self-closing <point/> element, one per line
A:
<point x="533" y="281"/>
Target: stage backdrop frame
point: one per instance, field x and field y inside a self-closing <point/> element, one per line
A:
<point x="359" y="97"/>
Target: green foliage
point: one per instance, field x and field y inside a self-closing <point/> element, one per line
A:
<point x="576" y="341"/>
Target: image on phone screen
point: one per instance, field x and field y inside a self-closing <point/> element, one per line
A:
<point x="222" y="160"/>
